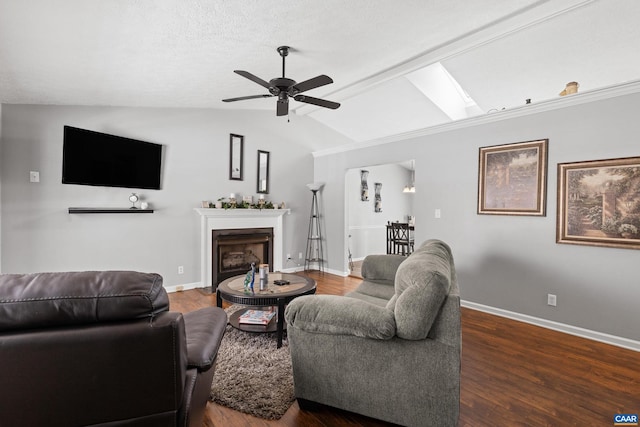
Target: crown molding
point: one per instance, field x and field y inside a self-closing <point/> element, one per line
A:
<point x="594" y="95"/>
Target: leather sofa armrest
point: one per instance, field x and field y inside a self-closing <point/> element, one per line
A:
<point x="204" y="329"/>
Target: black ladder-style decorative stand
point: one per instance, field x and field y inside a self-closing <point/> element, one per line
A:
<point x="314" y="240"/>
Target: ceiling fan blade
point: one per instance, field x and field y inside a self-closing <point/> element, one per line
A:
<point x="283" y="107"/>
<point x="311" y="84"/>
<point x="253" y="78"/>
<point x="242" y="98"/>
<point x="317" y="101"/>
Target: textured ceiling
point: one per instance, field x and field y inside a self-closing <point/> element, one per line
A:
<point x="182" y="53"/>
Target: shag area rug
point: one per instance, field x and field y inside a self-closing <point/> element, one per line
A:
<point x="252" y="375"/>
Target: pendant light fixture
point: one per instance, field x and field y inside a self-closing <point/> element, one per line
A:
<point x="411" y="187"/>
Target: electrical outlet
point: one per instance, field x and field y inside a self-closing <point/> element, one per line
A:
<point x="299" y="255"/>
<point x="552" y="300"/>
<point x="34" y="176"/>
<point x="288" y="257"/>
<point x="180" y="269"/>
<point x="437" y="213"/>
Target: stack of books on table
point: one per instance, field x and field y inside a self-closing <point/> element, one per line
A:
<point x="257" y="317"/>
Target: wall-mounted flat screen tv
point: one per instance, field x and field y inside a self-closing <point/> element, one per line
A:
<point x="94" y="158"/>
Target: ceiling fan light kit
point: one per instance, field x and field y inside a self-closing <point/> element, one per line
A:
<point x="285" y="88"/>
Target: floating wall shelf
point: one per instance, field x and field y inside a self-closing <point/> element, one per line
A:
<point x="108" y="210"/>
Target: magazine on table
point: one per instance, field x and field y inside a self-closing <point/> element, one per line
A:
<point x="257" y="317"/>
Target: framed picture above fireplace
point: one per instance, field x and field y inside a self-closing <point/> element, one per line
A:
<point x="236" y="157"/>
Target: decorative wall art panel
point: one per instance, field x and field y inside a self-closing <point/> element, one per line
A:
<point x="378" y="200"/>
<point x="364" y="187"/>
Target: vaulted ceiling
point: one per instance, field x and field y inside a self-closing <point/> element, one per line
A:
<point x="396" y="66"/>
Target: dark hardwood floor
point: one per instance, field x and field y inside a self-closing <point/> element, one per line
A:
<point x="513" y="374"/>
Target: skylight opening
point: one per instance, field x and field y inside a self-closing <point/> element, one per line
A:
<point x="461" y="92"/>
<point x="435" y="82"/>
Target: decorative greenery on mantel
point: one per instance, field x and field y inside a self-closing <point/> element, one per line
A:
<point x="243" y="205"/>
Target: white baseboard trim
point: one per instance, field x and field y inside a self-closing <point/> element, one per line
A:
<point x="326" y="270"/>
<point x="556" y="326"/>
<point x="184" y="287"/>
<point x="336" y="272"/>
<point x="293" y="269"/>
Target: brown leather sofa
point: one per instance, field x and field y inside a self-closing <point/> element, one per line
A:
<point x="102" y="349"/>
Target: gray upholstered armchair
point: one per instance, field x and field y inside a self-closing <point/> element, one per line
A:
<point x="390" y="349"/>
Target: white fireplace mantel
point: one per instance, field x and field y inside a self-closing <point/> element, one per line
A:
<point x="220" y="219"/>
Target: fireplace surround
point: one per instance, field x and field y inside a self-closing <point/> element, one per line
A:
<point x="235" y="219"/>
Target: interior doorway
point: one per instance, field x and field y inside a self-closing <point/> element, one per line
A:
<point x="375" y="196"/>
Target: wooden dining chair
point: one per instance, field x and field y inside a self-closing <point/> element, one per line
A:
<point x="403" y="243"/>
<point x="390" y="245"/>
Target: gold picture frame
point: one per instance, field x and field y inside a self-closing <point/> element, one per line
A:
<point x="512" y="179"/>
<point x="599" y="203"/>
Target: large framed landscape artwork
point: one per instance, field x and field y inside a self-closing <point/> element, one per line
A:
<point x="512" y="179"/>
<point x="599" y="203"/>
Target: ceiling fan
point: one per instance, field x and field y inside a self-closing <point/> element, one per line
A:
<point x="285" y="88"/>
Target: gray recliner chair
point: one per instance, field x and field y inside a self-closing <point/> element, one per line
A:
<point x="390" y="349"/>
<point x="102" y="349"/>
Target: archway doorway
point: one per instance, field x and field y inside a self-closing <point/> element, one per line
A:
<point x="367" y="215"/>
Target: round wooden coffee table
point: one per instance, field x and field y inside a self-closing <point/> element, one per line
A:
<point x="232" y="290"/>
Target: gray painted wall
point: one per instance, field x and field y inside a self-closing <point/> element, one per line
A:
<point x="39" y="235"/>
<point x="509" y="262"/>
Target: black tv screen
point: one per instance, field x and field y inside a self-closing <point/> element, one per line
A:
<point x="94" y="158"/>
